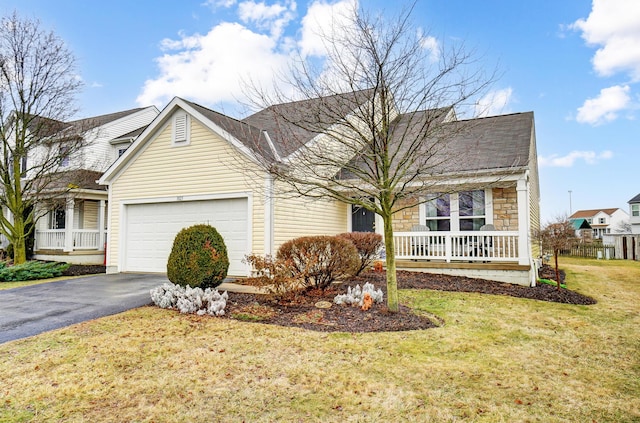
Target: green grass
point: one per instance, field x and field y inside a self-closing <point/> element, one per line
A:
<point x="495" y="359"/>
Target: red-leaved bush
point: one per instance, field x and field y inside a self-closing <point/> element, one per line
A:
<point x="272" y="275"/>
<point x="368" y="245"/>
<point x="317" y="261"/>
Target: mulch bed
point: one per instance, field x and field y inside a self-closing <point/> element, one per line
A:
<point x="302" y="311"/>
<point x="81" y="270"/>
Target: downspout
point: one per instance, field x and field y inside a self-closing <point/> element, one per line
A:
<point x="269" y="215"/>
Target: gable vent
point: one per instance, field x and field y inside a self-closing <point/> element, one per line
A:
<point x="180" y="133"/>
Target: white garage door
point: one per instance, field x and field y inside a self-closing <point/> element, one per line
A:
<point x="151" y="228"/>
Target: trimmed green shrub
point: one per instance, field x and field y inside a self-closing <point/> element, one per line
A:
<point x="368" y="245"/>
<point x="317" y="261"/>
<point x="198" y="258"/>
<point x="32" y="270"/>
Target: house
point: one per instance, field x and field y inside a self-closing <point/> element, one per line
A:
<point x="72" y="226"/>
<point x="194" y="165"/>
<point x="634" y="213"/>
<point x="603" y="221"/>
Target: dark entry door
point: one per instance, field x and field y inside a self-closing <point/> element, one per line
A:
<point x="362" y="220"/>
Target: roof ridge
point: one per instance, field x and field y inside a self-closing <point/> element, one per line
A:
<point x="219" y="113"/>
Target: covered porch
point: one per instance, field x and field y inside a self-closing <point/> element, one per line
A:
<point x="480" y="233"/>
<point x="74" y="231"/>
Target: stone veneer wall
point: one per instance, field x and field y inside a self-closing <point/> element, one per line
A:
<point x="505" y="212"/>
<point x="405" y="219"/>
<point x="505" y="209"/>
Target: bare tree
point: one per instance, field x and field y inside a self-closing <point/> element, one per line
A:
<point x="38" y="85"/>
<point x="379" y="112"/>
<point x="623" y="227"/>
<point x="556" y="236"/>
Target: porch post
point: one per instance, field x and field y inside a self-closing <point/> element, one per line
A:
<point x="68" y="225"/>
<point x="101" y="232"/>
<point x="523" y="224"/>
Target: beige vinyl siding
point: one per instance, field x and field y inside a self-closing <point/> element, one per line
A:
<point x="90" y="217"/>
<point x="534" y="196"/>
<point x="208" y="165"/>
<point x="295" y="217"/>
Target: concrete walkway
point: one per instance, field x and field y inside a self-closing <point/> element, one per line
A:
<point x="34" y="309"/>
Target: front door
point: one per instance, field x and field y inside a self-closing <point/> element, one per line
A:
<point x="362" y="220"/>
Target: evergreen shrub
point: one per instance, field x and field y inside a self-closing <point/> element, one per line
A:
<point x="198" y="258"/>
<point x="31" y="270"/>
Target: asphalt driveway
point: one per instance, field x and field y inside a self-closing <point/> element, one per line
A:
<point x="34" y="309"/>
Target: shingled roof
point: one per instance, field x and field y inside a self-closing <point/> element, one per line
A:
<point x="291" y="125"/>
<point x="634" y="200"/>
<point x="483" y="144"/>
<point x="250" y="136"/>
<point x="496" y="142"/>
<point x="95" y="121"/>
<point x="590" y="213"/>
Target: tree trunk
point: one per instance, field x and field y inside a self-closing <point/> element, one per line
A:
<point x="19" y="247"/>
<point x="392" y="283"/>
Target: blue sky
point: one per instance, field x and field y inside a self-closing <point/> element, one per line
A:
<point x="576" y="64"/>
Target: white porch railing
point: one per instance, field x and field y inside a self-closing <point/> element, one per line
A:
<point x="483" y="246"/>
<point x="54" y="239"/>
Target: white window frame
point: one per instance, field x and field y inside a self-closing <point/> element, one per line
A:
<point x="635" y="210"/>
<point x="66" y="160"/>
<point x="180" y="129"/>
<point x="454" y="215"/>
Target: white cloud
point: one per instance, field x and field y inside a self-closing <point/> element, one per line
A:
<point x="431" y="43"/>
<point x="210" y="68"/>
<point x="614" y="27"/>
<point x="214" y="4"/>
<point x="274" y="17"/>
<point x="321" y="22"/>
<point x="494" y="103"/>
<point x="589" y="157"/>
<point x="606" y="106"/>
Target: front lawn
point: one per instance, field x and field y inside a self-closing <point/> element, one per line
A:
<point x="496" y="358"/>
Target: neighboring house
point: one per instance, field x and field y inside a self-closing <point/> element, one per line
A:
<point x="602" y="221"/>
<point x="634" y="213"/>
<point x="73" y="227"/>
<point x="194" y="165"/>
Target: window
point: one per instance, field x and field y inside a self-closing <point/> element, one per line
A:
<point x="463" y="211"/>
<point x="438" y="213"/>
<point x="23" y="166"/>
<point x="602" y="220"/>
<point x="121" y="151"/>
<point x="57" y="218"/>
<point x="472" y="210"/>
<point x="181" y="129"/>
<point x="64" y="156"/>
<point x="635" y="210"/>
<point x="590" y="221"/>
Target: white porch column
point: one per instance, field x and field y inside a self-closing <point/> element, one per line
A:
<point x="524" y="250"/>
<point x="101" y="231"/>
<point x="68" y="225"/>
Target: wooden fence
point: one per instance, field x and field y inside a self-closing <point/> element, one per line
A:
<point x="591" y="251"/>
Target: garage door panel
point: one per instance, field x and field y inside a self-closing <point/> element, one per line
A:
<point x="151" y="228"/>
